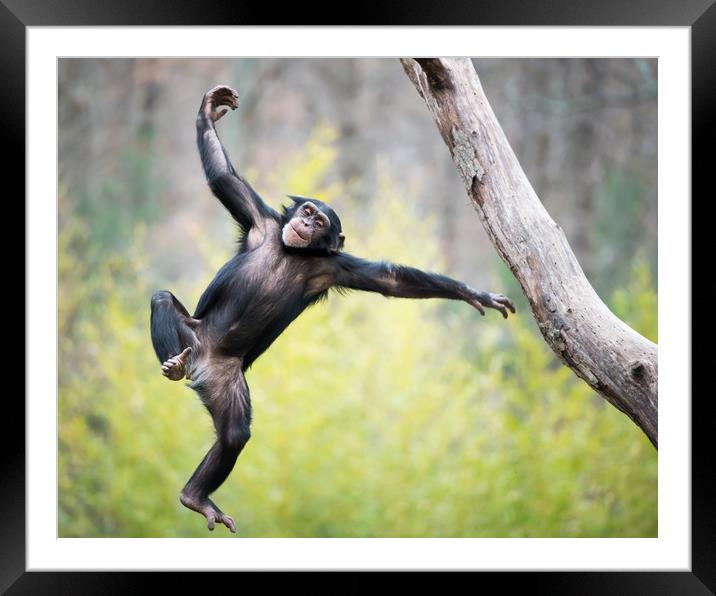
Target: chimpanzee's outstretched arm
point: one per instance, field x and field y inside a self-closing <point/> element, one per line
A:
<point x="242" y="201"/>
<point x="407" y="282"/>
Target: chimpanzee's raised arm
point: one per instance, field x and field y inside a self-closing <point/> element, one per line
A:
<point x="242" y="201"/>
<point x="400" y="281"/>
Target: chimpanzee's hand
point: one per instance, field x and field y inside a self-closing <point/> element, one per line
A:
<point x="482" y="300"/>
<point x="221" y="95"/>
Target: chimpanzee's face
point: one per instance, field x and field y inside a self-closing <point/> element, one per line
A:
<point x="306" y="226"/>
<point x="312" y="224"/>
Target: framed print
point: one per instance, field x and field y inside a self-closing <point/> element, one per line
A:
<point x="385" y="435"/>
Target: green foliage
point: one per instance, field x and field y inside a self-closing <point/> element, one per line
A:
<point x="373" y="416"/>
<point x="637" y="304"/>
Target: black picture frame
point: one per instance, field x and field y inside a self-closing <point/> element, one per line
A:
<point x="17" y="15"/>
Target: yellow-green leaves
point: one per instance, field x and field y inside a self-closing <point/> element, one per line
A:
<point x="372" y="416"/>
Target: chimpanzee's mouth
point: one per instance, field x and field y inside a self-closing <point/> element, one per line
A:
<point x="298" y="233"/>
<point x="291" y="237"/>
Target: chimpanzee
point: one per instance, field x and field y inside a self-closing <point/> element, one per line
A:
<point x="285" y="262"/>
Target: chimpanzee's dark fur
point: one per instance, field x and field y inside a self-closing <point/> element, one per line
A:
<point x="285" y="263"/>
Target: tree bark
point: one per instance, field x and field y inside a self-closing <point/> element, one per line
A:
<point x="616" y="361"/>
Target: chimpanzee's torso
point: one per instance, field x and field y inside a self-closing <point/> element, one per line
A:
<point x="253" y="306"/>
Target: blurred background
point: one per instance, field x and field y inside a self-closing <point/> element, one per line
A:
<point x="418" y="418"/>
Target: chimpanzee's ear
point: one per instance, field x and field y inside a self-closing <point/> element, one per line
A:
<point x="338" y="246"/>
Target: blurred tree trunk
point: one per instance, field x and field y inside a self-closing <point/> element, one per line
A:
<point x="585" y="146"/>
<point x="612" y="358"/>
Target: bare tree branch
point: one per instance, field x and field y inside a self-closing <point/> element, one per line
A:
<point x="616" y="361"/>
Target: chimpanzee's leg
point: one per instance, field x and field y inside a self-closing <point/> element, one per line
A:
<point x="172" y="335"/>
<point x="230" y="408"/>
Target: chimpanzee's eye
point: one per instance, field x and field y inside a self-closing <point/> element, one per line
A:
<point x="319" y="223"/>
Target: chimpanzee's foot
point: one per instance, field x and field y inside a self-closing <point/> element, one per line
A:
<point x="175" y="368"/>
<point x="209" y="510"/>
